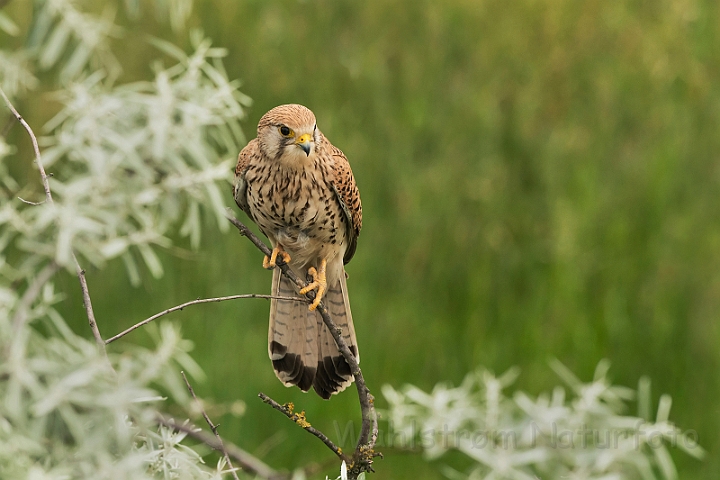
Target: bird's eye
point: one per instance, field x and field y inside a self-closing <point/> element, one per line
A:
<point x="285" y="131"/>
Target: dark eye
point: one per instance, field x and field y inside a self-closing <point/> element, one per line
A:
<point x="285" y="130"/>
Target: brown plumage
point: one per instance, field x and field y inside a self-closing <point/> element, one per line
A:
<point x="300" y="191"/>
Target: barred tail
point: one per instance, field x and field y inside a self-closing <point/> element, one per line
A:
<point x="302" y="350"/>
<point x="292" y="336"/>
<point x="333" y="372"/>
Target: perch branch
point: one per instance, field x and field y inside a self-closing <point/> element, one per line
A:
<point x="196" y="302"/>
<point x="213" y="427"/>
<point x="362" y="459"/>
<point x="49" y="199"/>
<point x="247" y="461"/>
<point x="289" y="411"/>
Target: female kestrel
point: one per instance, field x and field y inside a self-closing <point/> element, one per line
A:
<point x="299" y="189"/>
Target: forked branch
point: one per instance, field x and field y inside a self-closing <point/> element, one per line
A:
<point x="362" y="458"/>
<point x="49" y="199"/>
<point x="248" y="462"/>
<point x="212" y="426"/>
<point x="288" y="410"/>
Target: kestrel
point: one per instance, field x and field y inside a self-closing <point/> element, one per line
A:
<point x="299" y="189"/>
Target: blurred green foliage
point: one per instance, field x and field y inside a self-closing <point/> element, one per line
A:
<point x="539" y="179"/>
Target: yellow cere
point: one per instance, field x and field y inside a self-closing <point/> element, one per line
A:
<point x="304" y="138"/>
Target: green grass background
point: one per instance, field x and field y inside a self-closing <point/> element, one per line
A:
<point x="539" y="179"/>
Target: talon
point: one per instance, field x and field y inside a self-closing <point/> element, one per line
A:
<point x="319" y="282"/>
<point x="270" y="262"/>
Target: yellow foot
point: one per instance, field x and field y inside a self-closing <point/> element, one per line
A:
<point x="270" y="262"/>
<point x="319" y="282"/>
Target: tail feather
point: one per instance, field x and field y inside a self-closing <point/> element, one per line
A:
<point x="300" y="345"/>
<point x="291" y="336"/>
<point x="333" y="372"/>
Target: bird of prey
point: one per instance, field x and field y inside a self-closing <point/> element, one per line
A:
<point x="299" y="189"/>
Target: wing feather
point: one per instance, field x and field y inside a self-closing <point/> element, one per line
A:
<point x="348" y="195"/>
<point x="251" y="150"/>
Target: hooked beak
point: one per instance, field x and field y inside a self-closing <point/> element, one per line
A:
<point x="304" y="142"/>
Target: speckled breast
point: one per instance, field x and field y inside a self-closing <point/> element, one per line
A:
<point x="297" y="209"/>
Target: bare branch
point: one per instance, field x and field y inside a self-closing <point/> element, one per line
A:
<point x="88" y="307"/>
<point x="38" y="160"/>
<point x="48" y="198"/>
<point x="197" y="302"/>
<point x="289" y="411"/>
<point x="248" y="462"/>
<point x="28" y="202"/>
<point x="362" y="459"/>
<point x="213" y="427"/>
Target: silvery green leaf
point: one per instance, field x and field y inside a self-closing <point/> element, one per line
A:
<point x="79" y="58"/>
<point x="8" y="26"/>
<point x="15" y="72"/>
<point x="131" y="268"/>
<point x="664" y="405"/>
<point x="132" y="7"/>
<point x="151" y="260"/>
<point x="565" y="374"/>
<point x="169" y="48"/>
<point x="689" y="444"/>
<point x="585" y="435"/>
<point x="191" y="227"/>
<point x="114" y="247"/>
<point x="56" y="43"/>
<point x="667" y="467"/>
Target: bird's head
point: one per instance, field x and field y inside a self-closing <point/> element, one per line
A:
<point x="288" y="133"/>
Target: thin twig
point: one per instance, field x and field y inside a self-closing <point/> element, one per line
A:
<point x="88" y="306"/>
<point x="213" y="427"/>
<point x="248" y="462"/>
<point x="362" y="459"/>
<point x="28" y="202"/>
<point x="49" y="199"/>
<point x="38" y="160"/>
<point x="196" y="302"/>
<point x="301" y="420"/>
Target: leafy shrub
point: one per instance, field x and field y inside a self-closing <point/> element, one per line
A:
<point x="584" y="433"/>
